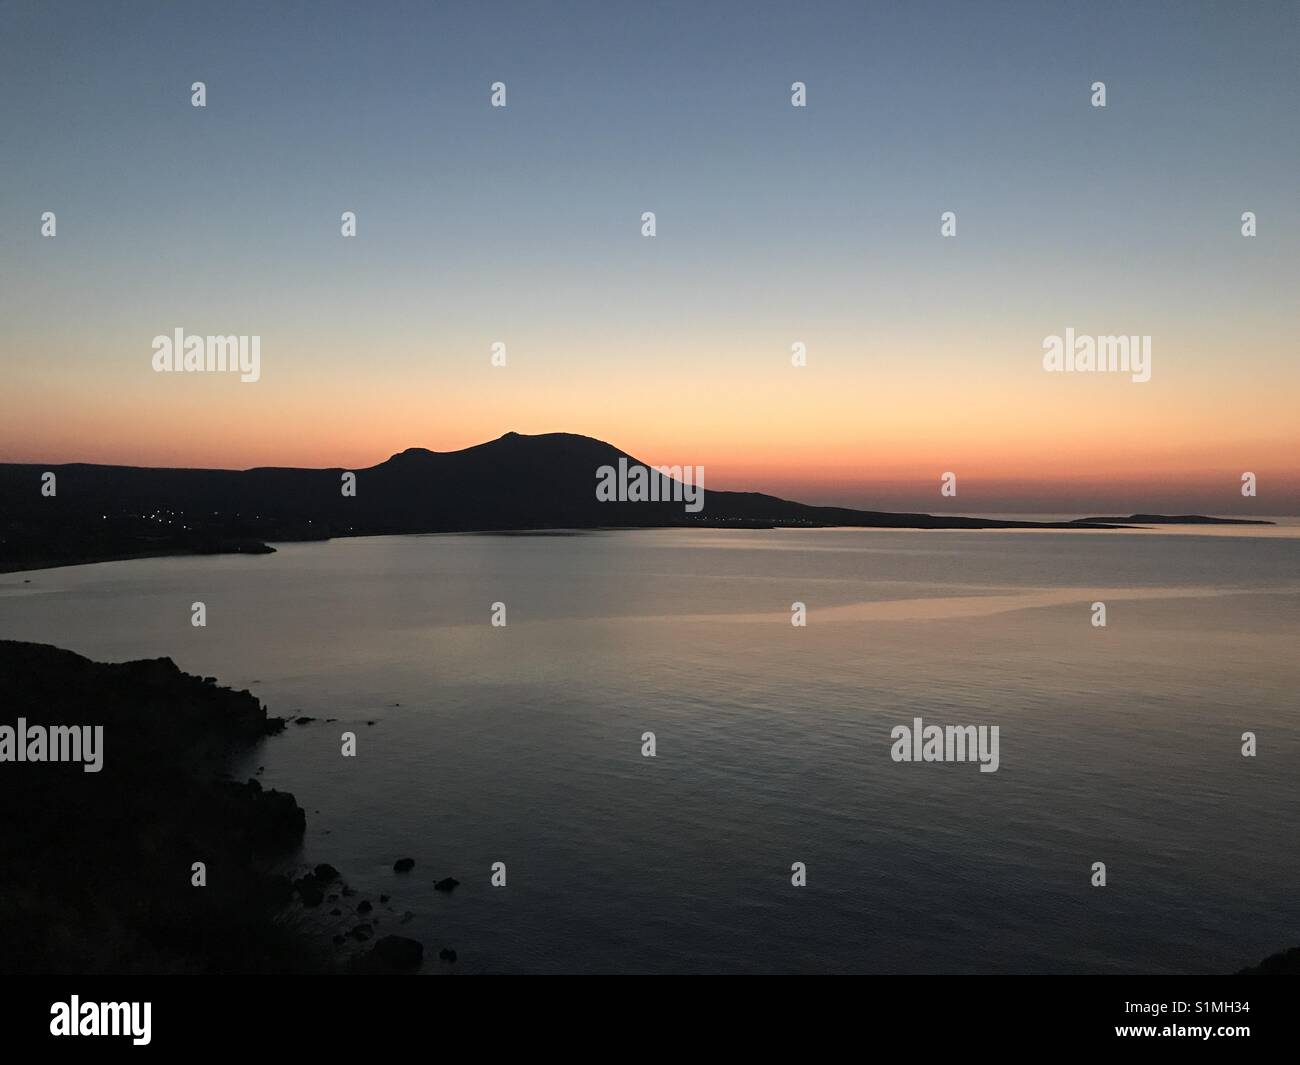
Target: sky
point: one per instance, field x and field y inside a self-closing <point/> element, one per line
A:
<point x="775" y="225"/>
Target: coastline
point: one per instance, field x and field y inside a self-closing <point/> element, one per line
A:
<point x="975" y="524"/>
<point x="88" y="558"/>
<point x="154" y="860"/>
<point x="62" y="562"/>
<point x="91" y="558"/>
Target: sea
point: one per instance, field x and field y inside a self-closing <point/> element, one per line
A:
<point x="634" y="759"/>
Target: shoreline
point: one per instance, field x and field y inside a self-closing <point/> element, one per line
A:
<point x="91" y="559"/>
<point x="83" y="897"/>
<point x="157" y="860"/>
<point x="976" y="524"/>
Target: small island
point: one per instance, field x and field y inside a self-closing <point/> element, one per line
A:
<point x="1172" y="519"/>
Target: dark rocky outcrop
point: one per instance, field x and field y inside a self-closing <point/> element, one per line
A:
<point x="399" y="953"/>
<point x="1283" y="963"/>
<point x="326" y="873"/>
<point x="309" y="891"/>
<point x="96" y="868"/>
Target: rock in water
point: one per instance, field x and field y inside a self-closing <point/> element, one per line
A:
<point x="403" y="865"/>
<point x="399" y="953"/>
<point x="449" y="883"/>
<point x="309" y="891"/>
<point x="1283" y="963"/>
<point x="326" y="873"/>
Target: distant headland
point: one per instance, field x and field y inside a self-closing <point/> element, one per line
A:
<point x="1171" y="519"/>
<point x="58" y="515"/>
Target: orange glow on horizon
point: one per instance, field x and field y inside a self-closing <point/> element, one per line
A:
<point x="836" y="432"/>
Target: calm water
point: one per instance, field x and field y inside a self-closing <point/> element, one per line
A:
<point x="522" y="744"/>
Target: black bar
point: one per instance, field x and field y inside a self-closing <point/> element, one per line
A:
<point x="400" y="1016"/>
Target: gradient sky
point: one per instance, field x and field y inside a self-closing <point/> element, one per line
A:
<point x="775" y="225"/>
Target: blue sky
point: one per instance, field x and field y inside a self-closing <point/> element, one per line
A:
<point x="773" y="222"/>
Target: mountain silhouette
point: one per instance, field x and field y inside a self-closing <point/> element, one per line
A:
<point x="513" y="483"/>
